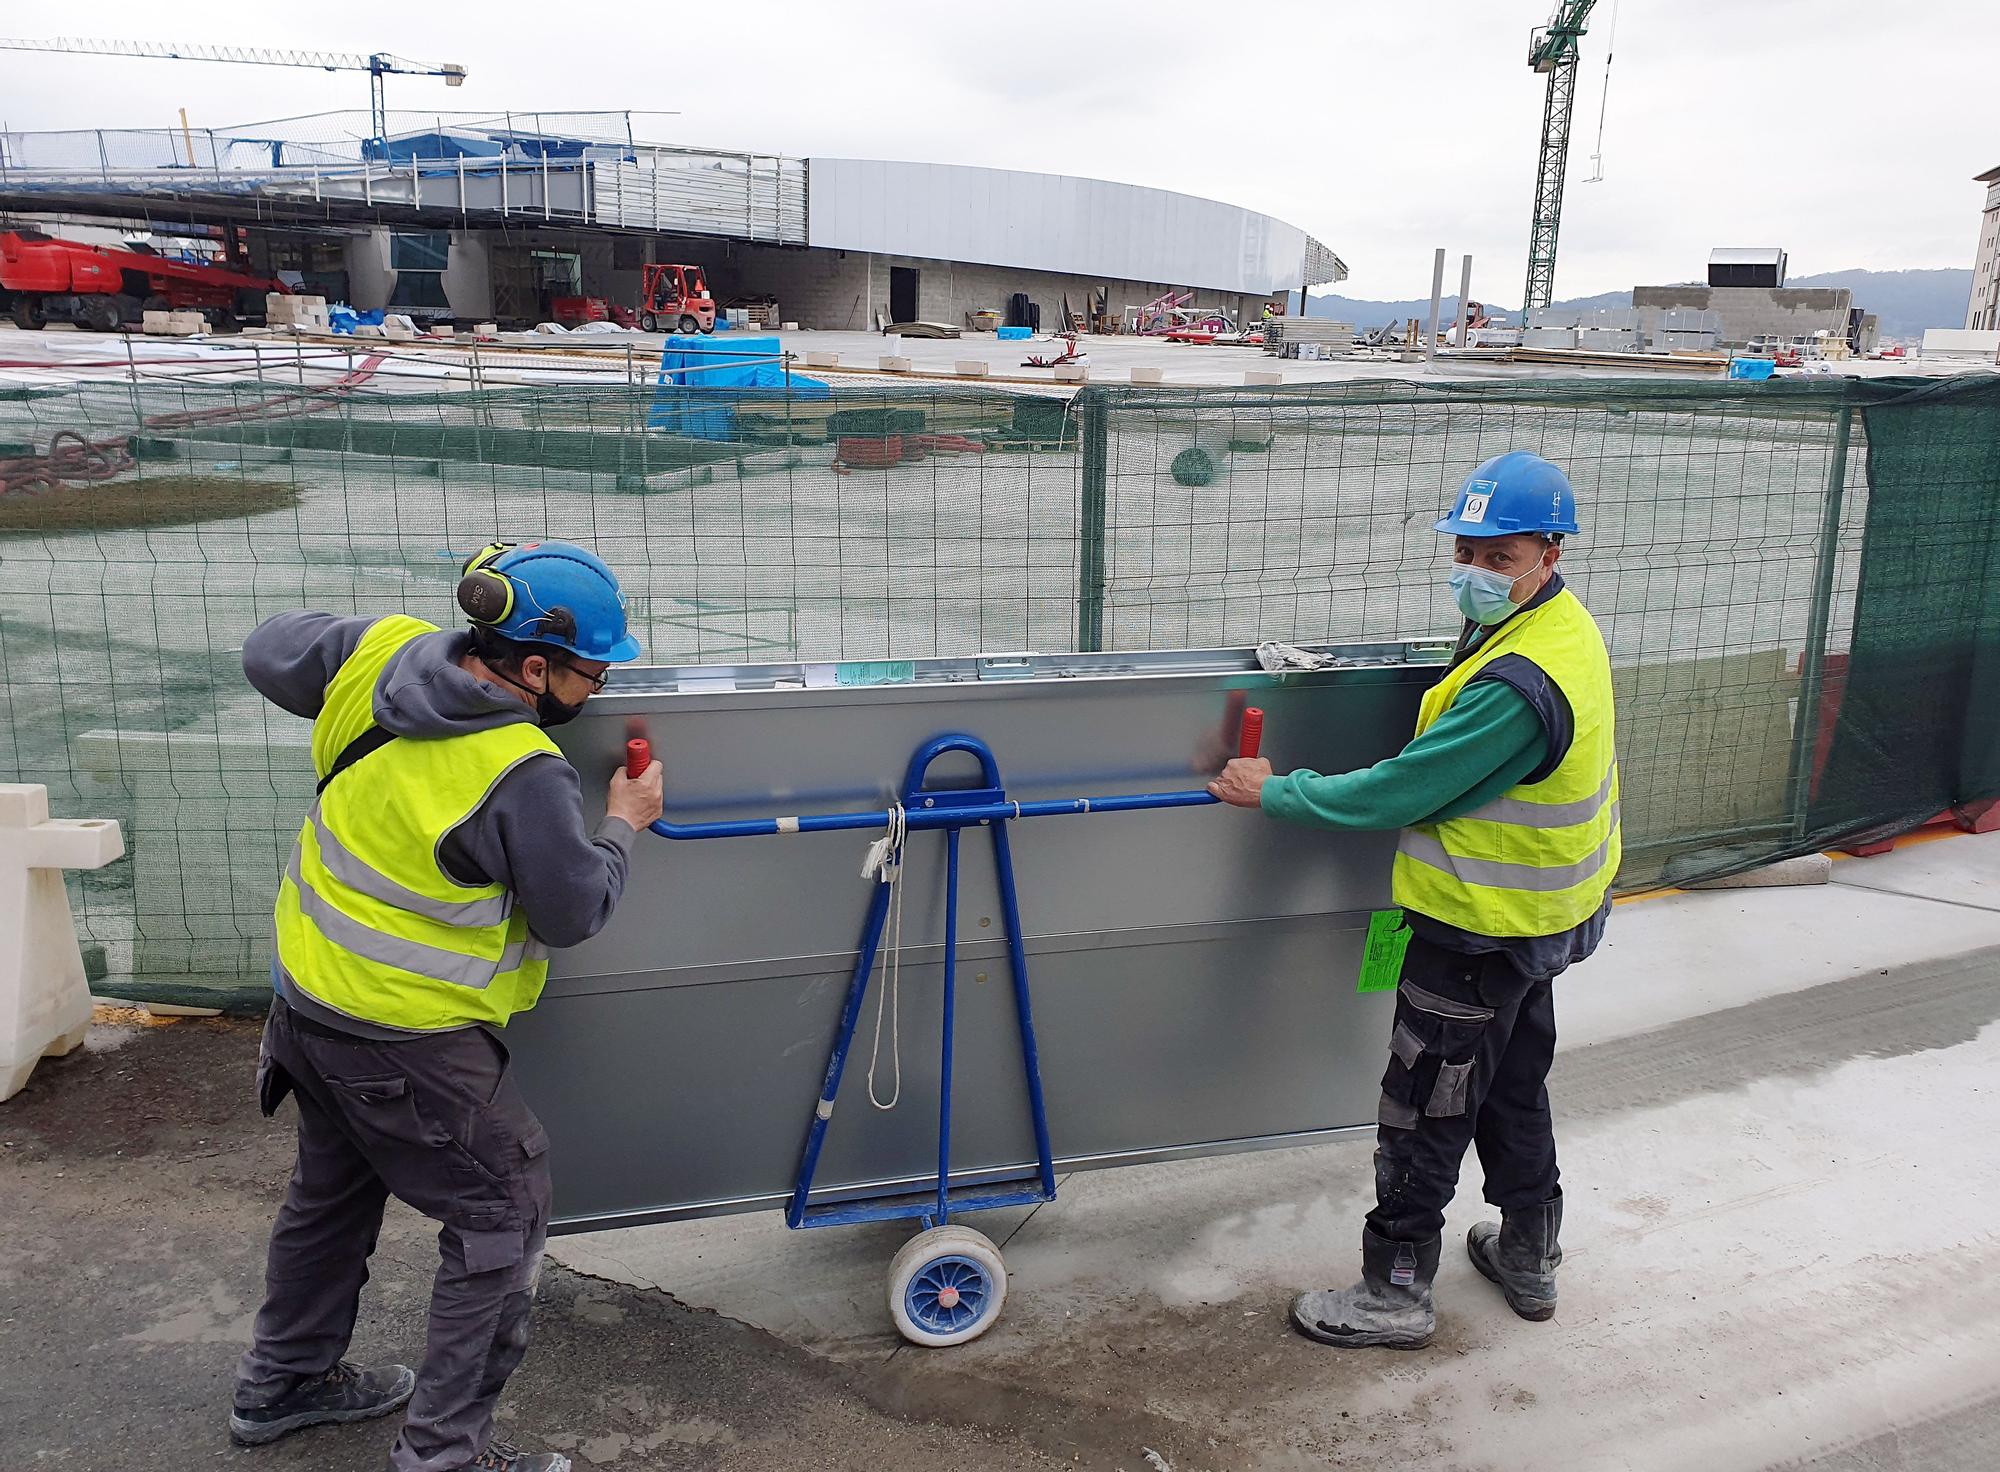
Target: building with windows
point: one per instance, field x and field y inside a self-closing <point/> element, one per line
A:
<point x="1982" y="312"/>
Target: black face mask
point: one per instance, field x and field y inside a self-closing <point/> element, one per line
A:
<point x="552" y="712"/>
<point x="548" y="710"/>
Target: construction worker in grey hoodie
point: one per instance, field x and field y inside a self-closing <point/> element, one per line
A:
<point x="444" y="854"/>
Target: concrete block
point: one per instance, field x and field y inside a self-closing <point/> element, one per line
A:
<point x="487" y="329"/>
<point x="1255" y="378"/>
<point x="369" y="331"/>
<point x="791" y="327"/>
<point x="1786" y="873"/>
<point x="1149" y="375"/>
<point x="44" y="996"/>
<point x="157" y="323"/>
<point x="821" y="358"/>
<point x="894" y="364"/>
<point x="1071" y="373"/>
<point x="1970" y="342"/>
<point x="971" y="368"/>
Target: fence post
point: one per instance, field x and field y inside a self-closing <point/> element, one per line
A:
<point x="1092" y="416"/>
<point x="1805" y="736"/>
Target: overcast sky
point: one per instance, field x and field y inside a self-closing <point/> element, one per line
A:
<point x="1846" y="131"/>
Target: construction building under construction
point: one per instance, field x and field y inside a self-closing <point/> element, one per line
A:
<point x="491" y="218"/>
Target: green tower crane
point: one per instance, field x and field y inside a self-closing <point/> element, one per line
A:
<point x="1553" y="50"/>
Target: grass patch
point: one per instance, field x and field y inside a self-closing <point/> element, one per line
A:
<point x="154" y="500"/>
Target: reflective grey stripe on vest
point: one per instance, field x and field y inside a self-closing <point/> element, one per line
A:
<point x="1546" y="814"/>
<point x="405" y="955"/>
<point x="1424" y="848"/>
<point x="359" y="876"/>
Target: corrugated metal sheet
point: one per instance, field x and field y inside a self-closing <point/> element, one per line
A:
<point x="743" y="196"/>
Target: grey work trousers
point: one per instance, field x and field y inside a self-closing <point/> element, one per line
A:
<point x="438" y="1122"/>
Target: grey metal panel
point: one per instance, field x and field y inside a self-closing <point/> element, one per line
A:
<point x="1056" y="222"/>
<point x="1193" y="971"/>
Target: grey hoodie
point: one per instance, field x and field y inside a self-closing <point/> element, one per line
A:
<point x="527" y="836"/>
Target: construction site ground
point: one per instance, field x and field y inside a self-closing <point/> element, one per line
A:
<point x="60" y="354"/>
<point x="1780" y="1135"/>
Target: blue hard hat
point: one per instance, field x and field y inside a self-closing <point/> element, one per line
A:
<point x="549" y="593"/>
<point x="1513" y="493"/>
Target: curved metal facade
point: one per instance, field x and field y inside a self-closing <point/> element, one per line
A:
<point x="1054" y="222"/>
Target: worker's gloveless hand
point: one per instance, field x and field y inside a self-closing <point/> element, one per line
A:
<point x="1242" y="782"/>
<point x="638" y="801"/>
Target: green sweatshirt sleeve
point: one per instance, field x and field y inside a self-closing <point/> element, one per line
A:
<point x="1486" y="742"/>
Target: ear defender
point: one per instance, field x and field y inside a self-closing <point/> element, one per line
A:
<point x="486" y="596"/>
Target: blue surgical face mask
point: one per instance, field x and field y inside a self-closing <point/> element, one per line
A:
<point x="1483" y="596"/>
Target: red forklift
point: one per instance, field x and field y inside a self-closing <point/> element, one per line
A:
<point x="675" y="299"/>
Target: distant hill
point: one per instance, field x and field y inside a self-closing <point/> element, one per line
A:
<point x="1906" y="301"/>
<point x="1366" y="314"/>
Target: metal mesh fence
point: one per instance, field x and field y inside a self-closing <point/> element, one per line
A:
<point x="1723" y="545"/>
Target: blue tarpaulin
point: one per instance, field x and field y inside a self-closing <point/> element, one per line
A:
<point x="431" y="146"/>
<point x="703" y="404"/>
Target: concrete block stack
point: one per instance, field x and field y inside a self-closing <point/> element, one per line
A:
<point x="1608" y="331"/>
<point x="1549" y="328"/>
<point x="296" y="313"/>
<point x="173" y="324"/>
<point x="1286" y="337"/>
<point x="1686" y="330"/>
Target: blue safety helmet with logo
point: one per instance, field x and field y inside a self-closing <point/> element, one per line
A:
<point x="548" y="593"/>
<point x="1510" y="494"/>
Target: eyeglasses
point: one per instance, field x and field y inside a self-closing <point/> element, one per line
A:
<point x="596" y="681"/>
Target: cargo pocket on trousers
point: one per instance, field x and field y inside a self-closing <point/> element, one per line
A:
<point x="384" y="1108"/>
<point x="273" y="1083"/>
<point x="1451" y="1091"/>
<point x="490" y="1251"/>
<point x="1400" y="1084"/>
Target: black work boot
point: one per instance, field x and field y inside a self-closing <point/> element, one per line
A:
<point x="1521" y="1254"/>
<point x="504" y="1456"/>
<point x="344" y="1393"/>
<point x="1390" y="1308"/>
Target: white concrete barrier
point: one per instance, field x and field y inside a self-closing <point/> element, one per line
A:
<point x="44" y="998"/>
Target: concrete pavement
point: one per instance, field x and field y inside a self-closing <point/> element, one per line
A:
<point x="1780" y="1141"/>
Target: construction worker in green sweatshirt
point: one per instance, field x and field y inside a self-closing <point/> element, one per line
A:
<point x="1507" y="798"/>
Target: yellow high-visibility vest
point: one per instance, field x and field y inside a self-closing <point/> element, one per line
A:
<point x="368" y="922"/>
<point x="1539" y="859"/>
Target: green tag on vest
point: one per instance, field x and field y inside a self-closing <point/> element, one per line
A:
<point x="1382" y="954"/>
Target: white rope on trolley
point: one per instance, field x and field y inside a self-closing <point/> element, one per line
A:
<point x="884" y="864"/>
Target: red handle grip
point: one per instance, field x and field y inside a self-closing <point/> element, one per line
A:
<point x="638" y="757"/>
<point x="1252" y="735"/>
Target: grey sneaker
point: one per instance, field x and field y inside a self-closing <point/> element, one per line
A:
<point x="504" y="1456"/>
<point x="344" y="1393"/>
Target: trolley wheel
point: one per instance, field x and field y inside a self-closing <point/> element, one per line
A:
<point x="946" y="1286"/>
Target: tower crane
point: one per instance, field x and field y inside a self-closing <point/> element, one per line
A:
<point x="1552" y="50"/>
<point x="378" y="65"/>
